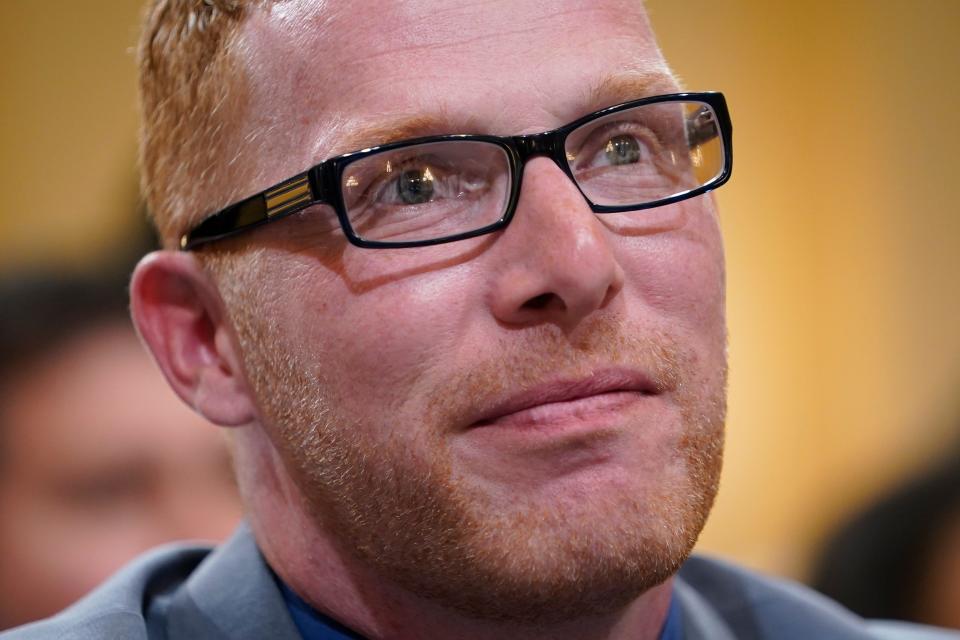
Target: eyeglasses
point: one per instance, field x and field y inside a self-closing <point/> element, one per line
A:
<point x="632" y="156"/>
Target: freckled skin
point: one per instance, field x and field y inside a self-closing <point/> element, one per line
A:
<point x="368" y="490"/>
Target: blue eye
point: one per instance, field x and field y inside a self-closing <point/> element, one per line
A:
<point x="622" y="149"/>
<point x="415" y="186"/>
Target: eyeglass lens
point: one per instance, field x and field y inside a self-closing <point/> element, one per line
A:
<point x="427" y="191"/>
<point x="645" y="154"/>
<point x="436" y="189"/>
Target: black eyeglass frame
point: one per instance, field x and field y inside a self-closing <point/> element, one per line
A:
<point x="321" y="184"/>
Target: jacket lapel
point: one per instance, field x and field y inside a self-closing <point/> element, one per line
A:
<point x="231" y="595"/>
<point x="700" y="621"/>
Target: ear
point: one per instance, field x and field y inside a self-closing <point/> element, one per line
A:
<point x="180" y="315"/>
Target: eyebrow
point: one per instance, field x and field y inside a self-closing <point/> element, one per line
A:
<point x="611" y="89"/>
<point x="396" y="128"/>
<point x="615" y="88"/>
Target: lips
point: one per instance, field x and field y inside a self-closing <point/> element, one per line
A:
<point x="569" y="398"/>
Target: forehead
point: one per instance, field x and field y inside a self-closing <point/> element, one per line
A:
<point x="319" y="70"/>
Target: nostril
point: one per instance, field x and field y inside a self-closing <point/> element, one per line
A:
<point x="542" y="301"/>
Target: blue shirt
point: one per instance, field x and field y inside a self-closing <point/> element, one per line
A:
<point x="313" y="625"/>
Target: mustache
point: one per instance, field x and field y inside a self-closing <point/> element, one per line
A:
<point x="545" y="354"/>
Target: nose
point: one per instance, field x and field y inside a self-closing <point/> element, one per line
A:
<point x="556" y="262"/>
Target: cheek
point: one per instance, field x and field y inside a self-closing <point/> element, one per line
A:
<point x="372" y="336"/>
<point x="678" y="275"/>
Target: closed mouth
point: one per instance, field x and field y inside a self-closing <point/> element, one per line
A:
<point x="569" y="397"/>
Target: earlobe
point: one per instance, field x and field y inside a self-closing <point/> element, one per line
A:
<point x="179" y="313"/>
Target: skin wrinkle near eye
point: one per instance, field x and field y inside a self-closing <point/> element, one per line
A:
<point x="455" y="198"/>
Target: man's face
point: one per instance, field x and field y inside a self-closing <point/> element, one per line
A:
<point x="522" y="423"/>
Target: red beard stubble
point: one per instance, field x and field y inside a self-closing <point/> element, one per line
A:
<point x="397" y="505"/>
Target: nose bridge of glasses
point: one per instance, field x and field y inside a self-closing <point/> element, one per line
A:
<point x="546" y="143"/>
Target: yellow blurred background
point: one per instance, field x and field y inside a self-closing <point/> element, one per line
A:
<point x="842" y="231"/>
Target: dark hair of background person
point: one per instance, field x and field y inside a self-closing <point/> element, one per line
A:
<point x="42" y="310"/>
<point x="881" y="563"/>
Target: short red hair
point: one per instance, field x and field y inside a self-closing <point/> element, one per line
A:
<point x="192" y="99"/>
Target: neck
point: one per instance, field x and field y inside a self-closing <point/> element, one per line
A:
<point x="335" y="583"/>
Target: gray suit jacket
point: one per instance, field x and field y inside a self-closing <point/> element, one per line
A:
<point x="181" y="593"/>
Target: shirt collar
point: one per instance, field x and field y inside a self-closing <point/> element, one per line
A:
<point x="314" y="625"/>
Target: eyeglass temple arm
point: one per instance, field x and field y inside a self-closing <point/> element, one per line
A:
<point x="702" y="126"/>
<point x="279" y="200"/>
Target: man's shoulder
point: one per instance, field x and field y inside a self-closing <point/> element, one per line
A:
<point x="182" y="591"/>
<point x="721" y="600"/>
<point x="117" y="608"/>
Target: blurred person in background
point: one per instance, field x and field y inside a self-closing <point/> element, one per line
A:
<point x="98" y="458"/>
<point x="899" y="558"/>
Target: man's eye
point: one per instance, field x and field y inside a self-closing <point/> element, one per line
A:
<point x="627" y="145"/>
<point x="622" y="149"/>
<point x="415" y="186"/>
